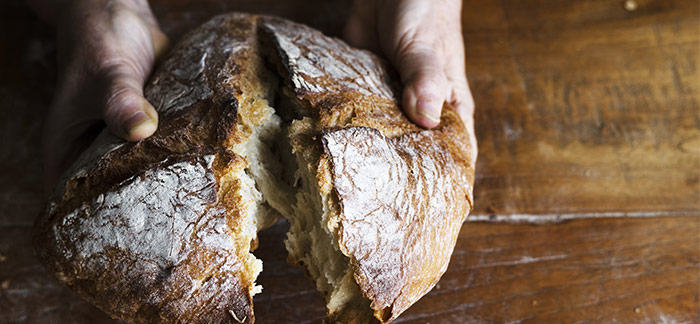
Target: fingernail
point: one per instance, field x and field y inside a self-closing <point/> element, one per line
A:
<point x="428" y="110"/>
<point x="135" y="121"/>
<point x="139" y="126"/>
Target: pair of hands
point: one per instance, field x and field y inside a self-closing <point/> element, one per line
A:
<point x="107" y="49"/>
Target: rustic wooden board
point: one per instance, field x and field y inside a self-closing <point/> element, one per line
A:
<point x="584" y="107"/>
<point x="625" y="270"/>
<point x="597" y="271"/>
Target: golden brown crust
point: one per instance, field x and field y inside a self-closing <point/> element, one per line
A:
<point x="402" y="193"/>
<point x="402" y="204"/>
<point x="169" y="259"/>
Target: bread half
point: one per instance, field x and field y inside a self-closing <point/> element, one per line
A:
<point x="381" y="201"/>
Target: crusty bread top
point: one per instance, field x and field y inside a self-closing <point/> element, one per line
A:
<point x="344" y="86"/>
<point x="401" y="192"/>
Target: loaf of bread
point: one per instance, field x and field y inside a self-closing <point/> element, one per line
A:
<point x="261" y="118"/>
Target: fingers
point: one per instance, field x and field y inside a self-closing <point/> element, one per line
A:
<point x="461" y="96"/>
<point x="415" y="35"/>
<point x="106" y="51"/>
<point x="160" y="41"/>
<point x="127" y="113"/>
<point x="425" y="84"/>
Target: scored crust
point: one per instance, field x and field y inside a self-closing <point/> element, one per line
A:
<point x="160" y="231"/>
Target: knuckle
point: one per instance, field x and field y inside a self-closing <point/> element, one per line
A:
<point x="119" y="101"/>
<point x="120" y="67"/>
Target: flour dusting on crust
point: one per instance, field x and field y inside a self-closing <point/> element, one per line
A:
<point x="152" y="215"/>
<point x="323" y="64"/>
<point x="183" y="85"/>
<point x="382" y="184"/>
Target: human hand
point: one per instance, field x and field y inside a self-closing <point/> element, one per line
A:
<point x="423" y="40"/>
<point x="106" y="50"/>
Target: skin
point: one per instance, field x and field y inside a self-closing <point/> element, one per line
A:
<point x="423" y="40"/>
<point x="107" y="49"/>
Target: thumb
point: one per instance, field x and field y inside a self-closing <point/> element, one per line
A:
<point x="126" y="111"/>
<point x="425" y="84"/>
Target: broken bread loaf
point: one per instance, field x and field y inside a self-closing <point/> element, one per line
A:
<point x="262" y="117"/>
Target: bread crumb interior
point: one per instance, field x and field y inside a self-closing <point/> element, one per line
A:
<point x="281" y="179"/>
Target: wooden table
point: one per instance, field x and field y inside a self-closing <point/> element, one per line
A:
<point x="588" y="180"/>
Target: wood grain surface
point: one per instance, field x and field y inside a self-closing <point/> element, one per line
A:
<point x="625" y="270"/>
<point x="584" y="109"/>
